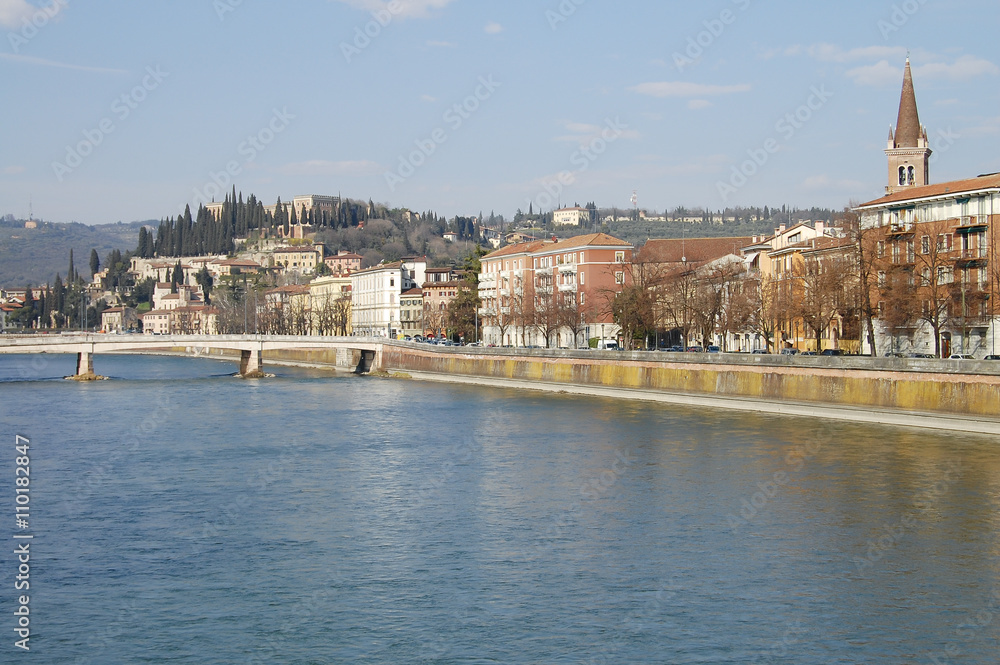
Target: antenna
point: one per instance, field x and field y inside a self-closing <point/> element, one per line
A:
<point x="31" y="214"/>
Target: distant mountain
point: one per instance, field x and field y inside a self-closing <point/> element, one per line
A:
<point x="34" y="256"/>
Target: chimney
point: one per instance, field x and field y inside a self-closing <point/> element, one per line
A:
<point x="781" y="229"/>
<point x="820" y="228"/>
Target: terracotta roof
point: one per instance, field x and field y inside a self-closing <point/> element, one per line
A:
<point x="991" y="181"/>
<point x="589" y="240"/>
<point x="395" y="265"/>
<point x="694" y="250"/>
<point x="292" y="289"/>
<point x="411" y="293"/>
<point x="816" y="245"/>
<point x="519" y="248"/>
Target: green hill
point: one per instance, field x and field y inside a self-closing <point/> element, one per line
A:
<point x="34" y="256"/>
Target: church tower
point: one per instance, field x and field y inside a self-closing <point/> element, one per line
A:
<point x="908" y="151"/>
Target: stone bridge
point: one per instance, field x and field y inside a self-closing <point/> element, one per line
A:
<point x="251" y="347"/>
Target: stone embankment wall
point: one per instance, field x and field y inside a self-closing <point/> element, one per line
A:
<point x="931" y="386"/>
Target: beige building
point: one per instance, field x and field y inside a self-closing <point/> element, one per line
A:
<point x="330" y="303"/>
<point x="302" y="260"/>
<point x="118" y="319"/>
<point x="411" y="312"/>
<point x="571" y="217"/>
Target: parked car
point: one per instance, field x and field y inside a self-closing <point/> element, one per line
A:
<point x="832" y="352"/>
<point x="714" y="349"/>
<point x="992" y="356"/>
<point x="789" y="352"/>
<point x="921" y="355"/>
<point x="809" y="353"/>
<point x="607" y="344"/>
<point x="961" y="356"/>
<point x="695" y="349"/>
<point x="760" y="352"/>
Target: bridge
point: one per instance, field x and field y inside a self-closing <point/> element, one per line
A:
<point x="251" y="347"/>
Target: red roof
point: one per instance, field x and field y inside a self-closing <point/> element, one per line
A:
<point x="991" y="181"/>
<point x="693" y="250"/>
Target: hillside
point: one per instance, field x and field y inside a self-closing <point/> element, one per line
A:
<point x="34" y="256"/>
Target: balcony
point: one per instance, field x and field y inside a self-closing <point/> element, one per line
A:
<point x="487" y="278"/>
<point x="567" y="288"/>
<point x="543" y="271"/>
<point x="567" y="269"/>
<point x="899" y="229"/>
<point x="970" y="222"/>
<point x="971" y="256"/>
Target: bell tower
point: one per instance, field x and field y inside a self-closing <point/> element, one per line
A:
<point x="908" y="152"/>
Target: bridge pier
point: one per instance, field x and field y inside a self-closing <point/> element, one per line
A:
<point x="250" y="364"/>
<point x="85" y="367"/>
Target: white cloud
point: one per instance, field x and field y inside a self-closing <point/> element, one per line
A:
<point x="882" y="73"/>
<point x="966" y="67"/>
<point x="328" y="168"/>
<point x="583" y="133"/>
<point x="834" y="53"/>
<point x="879" y="74"/>
<point x="404" y="8"/>
<point x="13" y="170"/>
<point x="52" y="63"/>
<point x="696" y="104"/>
<point x="428" y="99"/>
<point x="684" y="89"/>
<point x="493" y="28"/>
<point x="13" y="13"/>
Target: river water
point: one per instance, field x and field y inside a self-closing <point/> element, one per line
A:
<point x="183" y="516"/>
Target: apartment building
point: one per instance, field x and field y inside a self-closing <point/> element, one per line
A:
<point x="376" y="293"/>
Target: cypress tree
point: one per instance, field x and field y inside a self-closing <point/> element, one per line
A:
<point x="95" y="262"/>
<point x="71" y="274"/>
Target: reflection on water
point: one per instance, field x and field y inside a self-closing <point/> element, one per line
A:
<point x="189" y="516"/>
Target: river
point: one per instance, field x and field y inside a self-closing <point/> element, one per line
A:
<point x="180" y="515"/>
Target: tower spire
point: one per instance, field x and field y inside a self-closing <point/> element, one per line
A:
<point x="908" y="132"/>
<point x="907" y="150"/>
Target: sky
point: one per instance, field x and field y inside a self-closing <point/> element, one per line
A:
<point x="118" y="110"/>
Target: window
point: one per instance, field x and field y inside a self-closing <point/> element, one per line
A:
<point x="881" y="249"/>
<point x="582" y="275"/>
<point x="619" y="257"/>
<point x="619" y="277"/>
<point x="925" y="245"/>
<point x="895" y="252"/>
<point x="902" y="175"/>
<point x="881" y="279"/>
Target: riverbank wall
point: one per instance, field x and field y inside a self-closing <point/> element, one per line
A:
<point x="929" y="387"/>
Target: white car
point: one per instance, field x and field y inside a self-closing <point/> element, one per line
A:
<point x="961" y="356"/>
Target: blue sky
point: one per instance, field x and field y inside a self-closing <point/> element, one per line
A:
<point x="123" y="110"/>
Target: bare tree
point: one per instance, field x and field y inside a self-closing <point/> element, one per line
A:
<point x="865" y="241"/>
<point x="823" y="292"/>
